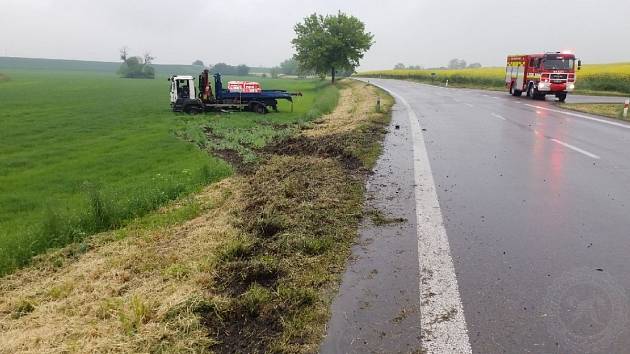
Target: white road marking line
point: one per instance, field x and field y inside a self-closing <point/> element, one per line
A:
<point x="439" y="293"/>
<point x="495" y="97"/>
<point x="469" y="105"/>
<point x="575" y="148"/>
<point x="497" y="116"/>
<point x="579" y="116"/>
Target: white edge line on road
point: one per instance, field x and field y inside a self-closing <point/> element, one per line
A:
<point x="579" y="116"/>
<point x="498" y="116"/>
<point x="469" y="105"/>
<point x="439" y="293"/>
<point x="575" y="148"/>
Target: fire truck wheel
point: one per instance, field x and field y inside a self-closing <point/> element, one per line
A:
<point x="531" y="92"/>
<point x="515" y="93"/>
<point x="562" y="97"/>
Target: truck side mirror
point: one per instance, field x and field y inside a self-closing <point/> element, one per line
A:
<point x="579" y="64"/>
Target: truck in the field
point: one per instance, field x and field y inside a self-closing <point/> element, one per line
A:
<point x="240" y="95"/>
<point x="539" y="75"/>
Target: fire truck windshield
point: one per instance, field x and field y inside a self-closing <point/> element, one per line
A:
<point x="558" y="64"/>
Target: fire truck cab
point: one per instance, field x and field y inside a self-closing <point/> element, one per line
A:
<point x="539" y="75"/>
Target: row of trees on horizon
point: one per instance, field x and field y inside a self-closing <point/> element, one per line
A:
<point x="454" y="63"/>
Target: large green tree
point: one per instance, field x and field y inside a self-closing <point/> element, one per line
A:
<point x="327" y="44"/>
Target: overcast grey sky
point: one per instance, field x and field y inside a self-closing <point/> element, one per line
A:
<point x="258" y="32"/>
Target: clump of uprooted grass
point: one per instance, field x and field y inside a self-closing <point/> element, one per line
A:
<point x="299" y="216"/>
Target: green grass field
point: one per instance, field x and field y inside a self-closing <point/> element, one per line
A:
<point x="613" y="79"/>
<point x="82" y="152"/>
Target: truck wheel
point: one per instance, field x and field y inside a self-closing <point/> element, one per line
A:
<point x="533" y="93"/>
<point x="260" y="108"/>
<point x="514" y="92"/>
<point x="530" y="92"/>
<point x="562" y="97"/>
<point x="192" y="109"/>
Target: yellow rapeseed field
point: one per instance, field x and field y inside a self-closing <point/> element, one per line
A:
<point x="606" y="78"/>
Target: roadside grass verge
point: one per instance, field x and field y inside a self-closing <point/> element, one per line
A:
<point x="299" y="213"/>
<point x="84" y="152"/>
<point x="4" y="77"/>
<point x="248" y="265"/>
<point x="610" y="110"/>
<point x="594" y="79"/>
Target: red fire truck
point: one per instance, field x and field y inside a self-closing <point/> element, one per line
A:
<point x="541" y="74"/>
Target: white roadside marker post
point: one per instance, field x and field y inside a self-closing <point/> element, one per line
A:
<point x="625" y="108"/>
<point x="446" y="82"/>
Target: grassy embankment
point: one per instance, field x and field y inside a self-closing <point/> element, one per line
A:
<point x="84" y="152"/>
<point x="610" y="110"/>
<point x="248" y="265"/>
<point x="603" y="79"/>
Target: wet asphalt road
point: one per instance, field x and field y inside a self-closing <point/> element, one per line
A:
<point x="536" y="206"/>
<point x="377" y="308"/>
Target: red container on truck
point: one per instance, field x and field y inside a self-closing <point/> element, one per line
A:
<point x="244" y="86"/>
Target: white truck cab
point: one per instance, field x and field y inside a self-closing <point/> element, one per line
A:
<point x="182" y="87"/>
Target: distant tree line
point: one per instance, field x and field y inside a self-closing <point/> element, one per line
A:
<point x="461" y="64"/>
<point x="401" y="66"/>
<point x="452" y="64"/>
<point x="136" y="67"/>
<point x="225" y="69"/>
<point x="289" y="67"/>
